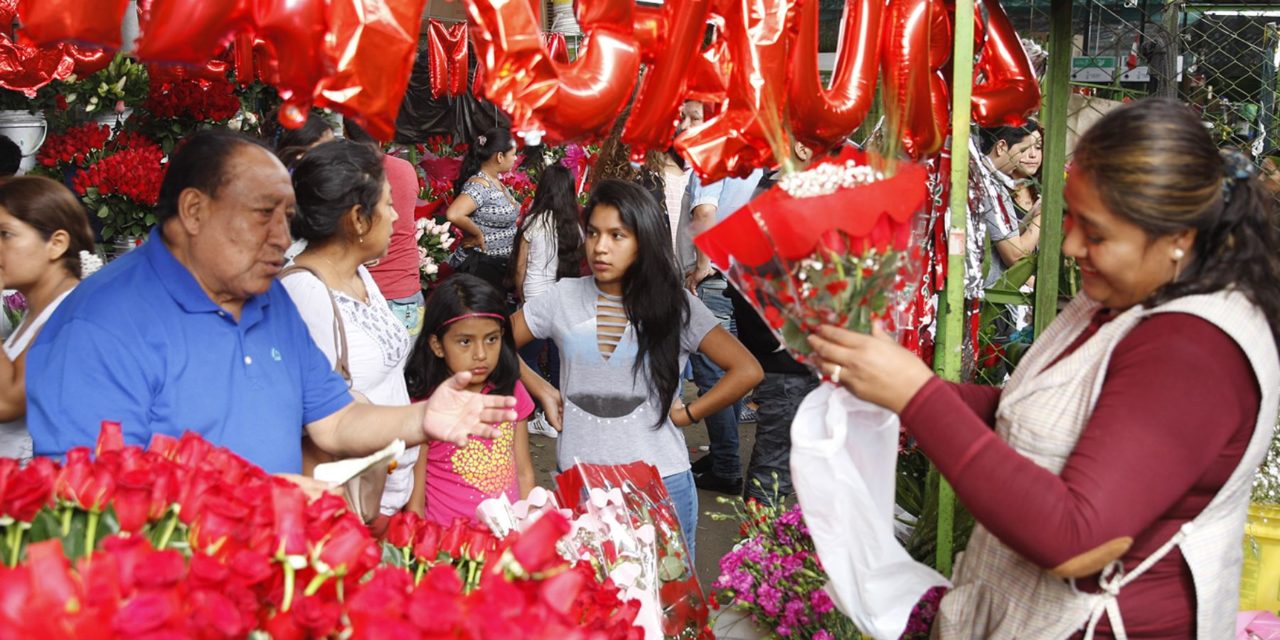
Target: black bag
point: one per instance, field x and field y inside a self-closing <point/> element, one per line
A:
<point x="491" y="269"/>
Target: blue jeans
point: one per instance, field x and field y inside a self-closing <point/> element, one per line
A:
<point x="778" y="397"/>
<point x="532" y="352"/>
<point x="722" y="426"/>
<point x="685" y="496"/>
<point x="409" y="311"/>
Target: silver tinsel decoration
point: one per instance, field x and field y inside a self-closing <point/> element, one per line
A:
<point x="1266" y="482"/>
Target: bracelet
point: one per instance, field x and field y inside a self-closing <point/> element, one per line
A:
<point x="687" y="412"/>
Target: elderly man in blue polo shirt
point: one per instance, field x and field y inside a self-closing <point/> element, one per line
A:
<point x="193" y="332"/>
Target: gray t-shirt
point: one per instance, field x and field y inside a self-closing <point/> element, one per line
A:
<point x="609" y="410"/>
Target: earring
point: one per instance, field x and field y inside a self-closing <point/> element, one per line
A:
<point x="361" y="239"/>
<point x="1178" y="254"/>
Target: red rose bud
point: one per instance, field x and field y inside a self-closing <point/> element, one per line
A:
<point x="426" y="544"/>
<point x="452" y="539"/>
<point x="559" y="591"/>
<point x="74" y="475"/>
<point x="110" y="438"/>
<point x="402" y="528"/>
<point x="289" y="504"/>
<point x="344" y="546"/>
<point x="477" y="542"/>
<point x="29" y="491"/>
<point x="56" y="590"/>
<point x="535" y="550"/>
<point x="133" y="499"/>
<point x="316" y="616"/>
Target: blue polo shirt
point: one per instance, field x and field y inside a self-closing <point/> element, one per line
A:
<point x="140" y="343"/>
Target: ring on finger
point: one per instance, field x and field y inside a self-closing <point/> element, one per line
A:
<point x="835" y="373"/>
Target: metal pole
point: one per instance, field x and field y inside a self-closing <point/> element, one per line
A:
<point x="952" y="303"/>
<point x="1057" y="92"/>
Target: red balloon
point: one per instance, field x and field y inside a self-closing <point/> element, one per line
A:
<point x="822" y="117"/>
<point x="546" y="98"/>
<point x="189" y="31"/>
<point x="375" y="64"/>
<point x="242" y="58"/>
<point x="709" y="73"/>
<point x="447" y="57"/>
<point x="91" y="22"/>
<point x="909" y="86"/>
<point x="88" y="61"/>
<point x="25" y="67"/>
<point x="675" y="37"/>
<point x="299" y="30"/>
<point x="1008" y="91"/>
<point x="741" y="138"/>
<point x="211" y="70"/>
<point x="557" y="48"/>
<point x="8" y="11"/>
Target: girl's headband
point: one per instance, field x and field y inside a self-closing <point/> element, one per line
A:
<point x="496" y="316"/>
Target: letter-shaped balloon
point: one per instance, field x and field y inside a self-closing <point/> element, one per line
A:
<point x="95" y="23"/>
<point x="744" y="135"/>
<point x="822" y="117"/>
<point x="447" y="56"/>
<point x="908" y="85"/>
<point x="543" y="97"/>
<point x="379" y="39"/>
<point x="1008" y="90"/>
<point x="673" y="36"/>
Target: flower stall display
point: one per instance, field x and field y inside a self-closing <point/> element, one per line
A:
<point x="73" y="149"/>
<point x="435" y="243"/>
<point x="108" y="94"/>
<point x="177" y="107"/>
<point x="624" y="525"/>
<point x="184" y="539"/>
<point x="121" y="189"/>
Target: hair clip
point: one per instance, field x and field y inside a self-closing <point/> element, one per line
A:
<point x="481" y="140"/>
<point x="1236" y="167"/>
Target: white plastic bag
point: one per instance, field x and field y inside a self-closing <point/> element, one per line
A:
<point x="844" y="452"/>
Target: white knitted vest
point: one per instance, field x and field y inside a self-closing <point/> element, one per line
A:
<point x="1043" y="411"/>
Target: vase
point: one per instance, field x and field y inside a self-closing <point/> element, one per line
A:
<point x="27" y="130"/>
<point x="121" y="245"/>
<point x="1260" y="577"/>
<point x="113" y="119"/>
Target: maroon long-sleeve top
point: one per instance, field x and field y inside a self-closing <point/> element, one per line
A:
<point x="1175" y="414"/>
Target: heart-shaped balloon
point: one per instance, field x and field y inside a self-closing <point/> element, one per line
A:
<point x="26" y="68"/>
<point x="95" y="23"/>
<point x="295" y="36"/>
<point x="189" y="31"/>
<point x="88" y="61"/>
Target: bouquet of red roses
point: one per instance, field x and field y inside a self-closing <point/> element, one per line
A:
<point x="829" y="245"/>
<point x="122" y="188"/>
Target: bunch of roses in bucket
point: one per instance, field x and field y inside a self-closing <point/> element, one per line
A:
<point x="74" y="148"/>
<point x="463" y="582"/>
<point x="122" y="187"/>
<point x="180" y="106"/>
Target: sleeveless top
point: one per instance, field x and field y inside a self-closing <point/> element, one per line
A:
<point x="15" y="440"/>
<point x="1043" y="411"/>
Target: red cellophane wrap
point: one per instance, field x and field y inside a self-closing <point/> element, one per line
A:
<point x="684" y="606"/>
<point x="835" y="244"/>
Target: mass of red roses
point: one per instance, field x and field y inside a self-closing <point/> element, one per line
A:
<point x="134" y="172"/>
<point x="201" y="100"/>
<point x="184" y="539"/>
<point x="76" y="146"/>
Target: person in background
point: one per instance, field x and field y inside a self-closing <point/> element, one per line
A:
<point x="10" y="157"/>
<point x="721" y="469"/>
<point x="484" y="210"/>
<point x="345" y="215"/>
<point x="467" y="329"/>
<point x="44" y="233"/>
<point x="1270" y="176"/>
<point x="192" y="332"/>
<point x="1111" y="478"/>
<point x="548" y="248"/>
<point x="291" y="144"/>
<point x="625" y="333"/>
<point x="785" y="384"/>
<point x="397" y="273"/>
<point x="1013" y="156"/>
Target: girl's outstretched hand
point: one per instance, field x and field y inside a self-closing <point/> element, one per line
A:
<point x="453" y="414"/>
<point x="874" y="367"/>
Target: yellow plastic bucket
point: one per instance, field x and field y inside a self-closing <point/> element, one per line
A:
<point x="1260" y="580"/>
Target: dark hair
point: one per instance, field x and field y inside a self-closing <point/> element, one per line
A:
<point x="649" y="287"/>
<point x="1155" y="166"/>
<point x="555" y="199"/>
<point x="331" y="179"/>
<point x="458" y="295"/>
<point x="203" y="162"/>
<point x="49" y="206"/>
<point x="291" y="144"/>
<point x="10" y="157"/>
<point x="486" y="145"/>
<point x="988" y="137"/>
<point x="352" y="131"/>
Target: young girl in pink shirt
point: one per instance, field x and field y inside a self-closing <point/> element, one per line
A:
<point x="466" y="329"/>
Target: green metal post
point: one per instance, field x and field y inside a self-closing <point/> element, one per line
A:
<point x="1057" y="92"/>
<point x="951" y="307"/>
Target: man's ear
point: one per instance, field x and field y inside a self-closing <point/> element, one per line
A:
<point x="193" y="209"/>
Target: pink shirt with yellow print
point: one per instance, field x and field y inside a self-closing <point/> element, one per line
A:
<point x="459" y="479"/>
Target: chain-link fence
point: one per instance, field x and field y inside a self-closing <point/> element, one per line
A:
<point x="1221" y="59"/>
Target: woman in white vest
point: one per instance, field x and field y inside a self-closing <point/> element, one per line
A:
<point x="1110" y="477"/>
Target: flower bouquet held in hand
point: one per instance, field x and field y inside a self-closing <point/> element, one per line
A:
<point x="828" y="245"/>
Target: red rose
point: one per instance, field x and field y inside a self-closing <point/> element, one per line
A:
<point x="452" y="539"/>
<point x="133" y="499"/>
<point x="426" y="545"/>
<point x="289" y="504"/>
<point x="110" y="438"/>
<point x="29" y="490"/>
<point x="478" y="542"/>
<point x="162" y="569"/>
<point x="216" y="616"/>
<point x="315" y="615"/>
<point x="346" y="543"/>
<point x="402" y="528"/>
<point x="535" y="549"/>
